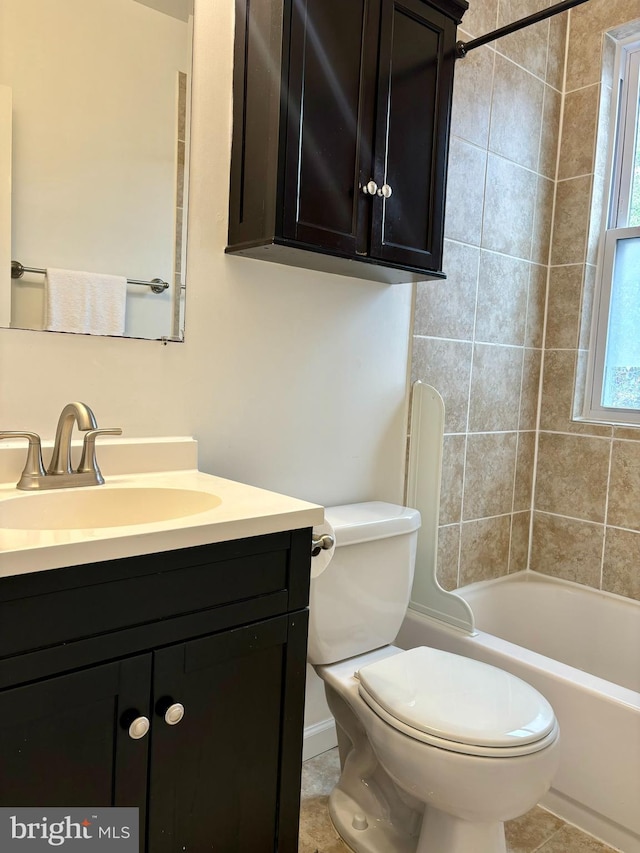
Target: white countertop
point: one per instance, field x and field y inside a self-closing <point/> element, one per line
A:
<point x="243" y="511"/>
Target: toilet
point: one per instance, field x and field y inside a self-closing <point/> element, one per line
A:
<point x="436" y="750"/>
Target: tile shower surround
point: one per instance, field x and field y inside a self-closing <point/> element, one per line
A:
<point x="523" y="206"/>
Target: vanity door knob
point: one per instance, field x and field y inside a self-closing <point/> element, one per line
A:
<point x="385" y="191"/>
<point x="370" y="189"/>
<point x="174" y="714"/>
<point x="139" y="727"/>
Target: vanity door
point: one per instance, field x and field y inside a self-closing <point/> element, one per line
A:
<point x="226" y="739"/>
<point x="59" y="744"/>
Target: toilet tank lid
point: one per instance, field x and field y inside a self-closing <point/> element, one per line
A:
<point x="364" y="522"/>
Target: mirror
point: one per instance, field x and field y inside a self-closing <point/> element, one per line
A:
<point x="94" y="140"/>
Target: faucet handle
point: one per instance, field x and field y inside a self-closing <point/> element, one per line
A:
<point x="88" y="462"/>
<point x="33" y="468"/>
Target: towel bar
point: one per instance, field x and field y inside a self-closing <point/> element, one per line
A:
<point x="157" y="285"/>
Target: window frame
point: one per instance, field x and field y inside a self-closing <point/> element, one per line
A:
<point x="625" y="117"/>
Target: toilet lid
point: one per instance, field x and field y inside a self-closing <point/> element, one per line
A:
<point x="457" y="699"/>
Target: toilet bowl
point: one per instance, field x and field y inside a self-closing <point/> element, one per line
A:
<point x="436" y="750"/>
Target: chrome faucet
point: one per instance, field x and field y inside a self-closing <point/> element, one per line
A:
<point x="60" y="474"/>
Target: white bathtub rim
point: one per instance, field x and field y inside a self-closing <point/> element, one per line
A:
<point x="584" y="681"/>
<point x="528" y="576"/>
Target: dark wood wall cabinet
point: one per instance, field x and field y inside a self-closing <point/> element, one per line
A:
<point x="172" y="682"/>
<point x="340" y="134"/>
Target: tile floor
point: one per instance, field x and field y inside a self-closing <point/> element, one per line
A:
<point x="536" y="832"/>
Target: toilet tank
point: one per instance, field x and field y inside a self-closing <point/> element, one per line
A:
<point x="359" y="599"/>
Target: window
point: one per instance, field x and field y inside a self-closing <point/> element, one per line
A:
<point x="613" y="392"/>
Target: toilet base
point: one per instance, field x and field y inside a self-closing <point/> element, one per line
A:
<point x="366" y="833"/>
<point x="443" y="832"/>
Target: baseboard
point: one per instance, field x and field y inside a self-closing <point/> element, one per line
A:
<point x="319" y="738"/>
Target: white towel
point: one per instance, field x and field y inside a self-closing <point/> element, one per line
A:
<point x="85" y="302"/>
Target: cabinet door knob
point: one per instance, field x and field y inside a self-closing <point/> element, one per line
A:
<point x="385" y="191"/>
<point x="370" y="189"/>
<point x="174" y="714"/>
<point x="138" y="728"/>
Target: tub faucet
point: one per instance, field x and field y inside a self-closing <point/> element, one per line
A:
<point x="60" y="474"/>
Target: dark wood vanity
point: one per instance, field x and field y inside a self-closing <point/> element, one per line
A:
<point x="88" y="651"/>
<point x="341" y="130"/>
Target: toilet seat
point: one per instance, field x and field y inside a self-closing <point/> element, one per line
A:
<point x="458" y="704"/>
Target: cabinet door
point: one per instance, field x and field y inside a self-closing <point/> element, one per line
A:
<point x="411" y="143"/>
<point x="62" y="743"/>
<point x="215" y="774"/>
<point x="332" y="62"/>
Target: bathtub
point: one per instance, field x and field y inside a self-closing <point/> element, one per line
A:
<point x="581" y="649"/>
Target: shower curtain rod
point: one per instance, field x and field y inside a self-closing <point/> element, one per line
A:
<point x="463" y="47"/>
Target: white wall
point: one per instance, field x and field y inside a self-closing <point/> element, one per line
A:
<point x="5" y="205"/>
<point x="290" y="380"/>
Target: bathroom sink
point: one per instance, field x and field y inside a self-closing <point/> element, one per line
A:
<point x="102" y="507"/>
<point x="154" y="500"/>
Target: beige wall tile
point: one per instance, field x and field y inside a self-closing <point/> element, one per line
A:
<point x="577" y="150"/>
<point x="503" y="287"/>
<point x="484" y="549"/>
<point x="495" y="388"/>
<point x="563" y="311"/>
<point x="556" y="405"/>
<point x="447" y="308"/>
<point x="519" y="548"/>
<point x="502" y="202"/>
<point x="453" y="453"/>
<point x="621" y="566"/>
<point x="571" y="221"/>
<point x="536" y="305"/>
<point x="624" y="486"/>
<point x="527" y="47"/>
<point x="584" y="55"/>
<point x="550" y="129"/>
<point x="572" y="475"/>
<point x="489" y="474"/>
<point x="530" y="389"/>
<point x="509" y="208"/>
<point x="566" y="548"/>
<point x="516" y="113"/>
<point x="543" y="218"/>
<point x="588" y="24"/>
<point x="561" y="376"/>
<point x="471" y="109"/>
<point x="525" y="458"/>
<point x="448" y="552"/>
<point x="465" y="192"/>
<point x="632" y="433"/>
<point x="480" y="18"/>
<point x="556" y="50"/>
<point x="447" y="366"/>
